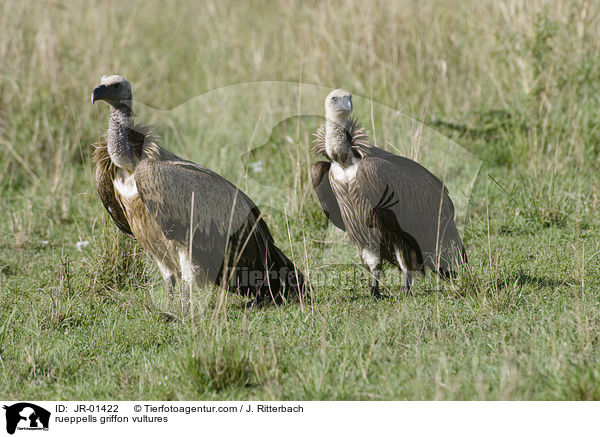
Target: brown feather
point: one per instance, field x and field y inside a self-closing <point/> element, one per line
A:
<point x="143" y="143"/>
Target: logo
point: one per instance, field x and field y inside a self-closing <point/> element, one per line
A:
<point x="26" y="416"/>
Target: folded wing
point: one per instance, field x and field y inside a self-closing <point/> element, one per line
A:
<point x="402" y="193"/>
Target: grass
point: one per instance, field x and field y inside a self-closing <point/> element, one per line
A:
<point x="515" y="84"/>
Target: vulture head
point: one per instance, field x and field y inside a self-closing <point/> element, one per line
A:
<point x="114" y="90"/>
<point x="338" y="105"/>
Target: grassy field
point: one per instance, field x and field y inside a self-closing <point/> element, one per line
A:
<point x="514" y="83"/>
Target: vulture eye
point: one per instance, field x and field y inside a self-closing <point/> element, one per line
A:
<point x="116" y="86"/>
<point x="334" y="99"/>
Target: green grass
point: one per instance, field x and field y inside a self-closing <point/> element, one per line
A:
<point x="517" y="86"/>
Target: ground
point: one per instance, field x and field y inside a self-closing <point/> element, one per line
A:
<point x="513" y="83"/>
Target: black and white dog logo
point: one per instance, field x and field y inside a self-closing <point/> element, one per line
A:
<point x="26" y="416"/>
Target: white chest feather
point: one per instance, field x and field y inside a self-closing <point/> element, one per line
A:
<point x="125" y="184"/>
<point x="344" y="175"/>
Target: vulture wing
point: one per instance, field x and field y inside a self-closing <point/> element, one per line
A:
<point x="402" y="193"/>
<point x="320" y="181"/>
<point x="406" y="163"/>
<point x="105" y="173"/>
<point x="228" y="228"/>
<point x="139" y="136"/>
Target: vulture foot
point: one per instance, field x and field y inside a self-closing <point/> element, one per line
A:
<point x="375" y="293"/>
<point x="409" y="278"/>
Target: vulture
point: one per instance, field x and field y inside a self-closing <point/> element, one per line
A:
<point x="392" y="208"/>
<point x="196" y="224"/>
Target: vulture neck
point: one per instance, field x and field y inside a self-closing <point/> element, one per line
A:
<point x="119" y="125"/>
<point x="336" y="142"/>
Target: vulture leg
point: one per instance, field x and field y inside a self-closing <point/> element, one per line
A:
<point x="375" y="284"/>
<point x="192" y="276"/>
<point x="408" y="265"/>
<point x="373" y="261"/>
<point x="170" y="279"/>
<point x="409" y="278"/>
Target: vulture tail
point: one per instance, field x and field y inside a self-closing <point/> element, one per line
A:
<point x="285" y="280"/>
<point x="449" y="271"/>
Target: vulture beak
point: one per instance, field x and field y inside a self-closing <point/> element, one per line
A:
<point x="99" y="93"/>
<point x="347" y="103"/>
